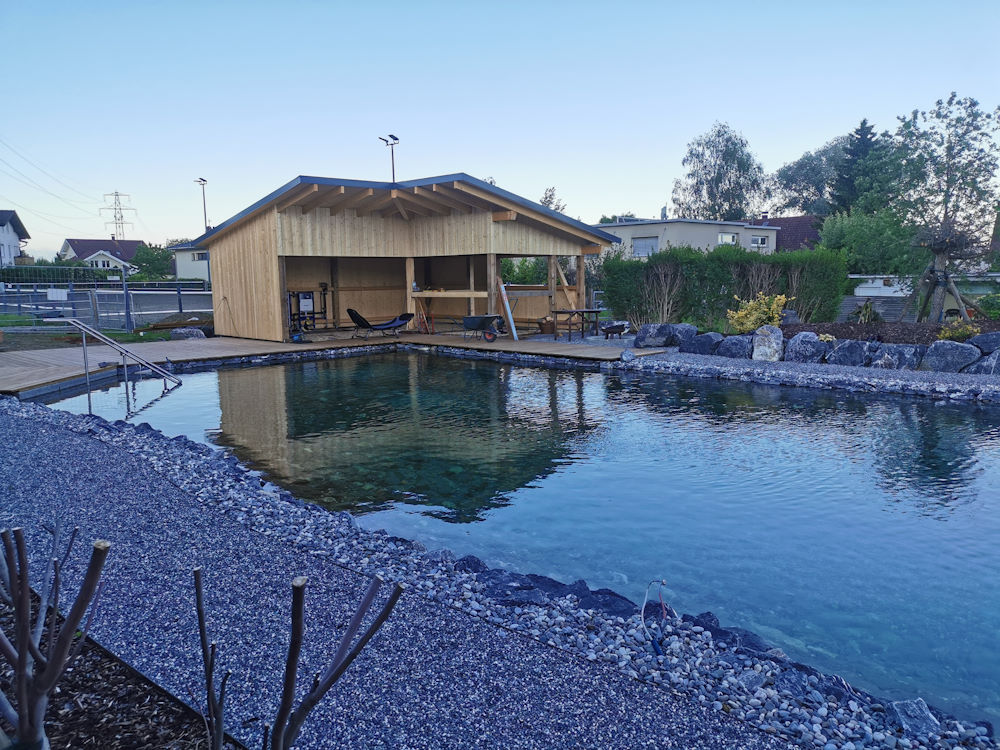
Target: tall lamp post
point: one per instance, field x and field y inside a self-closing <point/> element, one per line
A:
<point x="204" y="206"/>
<point x="204" y="209"/>
<point x="391" y="142"/>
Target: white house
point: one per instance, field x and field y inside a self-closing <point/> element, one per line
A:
<point x="107" y="254"/>
<point x="192" y="264"/>
<point x="646" y="236"/>
<point x="12" y="233"/>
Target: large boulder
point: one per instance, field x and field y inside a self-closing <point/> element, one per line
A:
<point x="806" y="347"/>
<point x="653" y="335"/>
<point x="706" y="343"/>
<point x="987" y="343"/>
<point x="768" y="344"/>
<point x="851" y="353"/>
<point x="736" y="347"/>
<point x="898" y="356"/>
<point x="949" y="356"/>
<point x="682" y="332"/>
<point x="186" y="333"/>
<point x="988" y="365"/>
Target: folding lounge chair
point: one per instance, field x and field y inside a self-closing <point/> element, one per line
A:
<point x="360" y="324"/>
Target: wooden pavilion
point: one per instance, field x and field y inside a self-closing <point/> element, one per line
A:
<point x="432" y="245"/>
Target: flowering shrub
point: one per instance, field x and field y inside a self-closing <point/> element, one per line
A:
<point x="751" y="314"/>
<point x="959" y="330"/>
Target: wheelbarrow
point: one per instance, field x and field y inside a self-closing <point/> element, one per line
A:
<point x="486" y="327"/>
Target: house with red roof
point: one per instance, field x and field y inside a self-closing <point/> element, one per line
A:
<point x="108" y="254"/>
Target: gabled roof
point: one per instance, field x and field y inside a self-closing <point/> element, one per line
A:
<point x="123" y="250"/>
<point x="425" y="197"/>
<point x="10" y="217"/>
<point x="797" y="232"/>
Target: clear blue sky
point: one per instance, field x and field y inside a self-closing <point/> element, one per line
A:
<point x="597" y="99"/>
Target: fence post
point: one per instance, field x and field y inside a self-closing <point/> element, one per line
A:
<point x="128" y="302"/>
<point x="93" y="304"/>
<point x="180" y="298"/>
<point x="18" y="299"/>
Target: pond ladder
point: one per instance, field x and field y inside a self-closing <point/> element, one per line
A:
<point x="86" y="331"/>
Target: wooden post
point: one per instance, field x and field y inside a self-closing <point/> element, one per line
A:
<point x="581" y="281"/>
<point x="411" y="306"/>
<point x="552" y="286"/>
<point x="334" y="293"/>
<point x="491" y="284"/>
<point x="472" y="285"/>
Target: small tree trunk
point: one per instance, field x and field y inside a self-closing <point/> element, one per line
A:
<point x="940" y="286"/>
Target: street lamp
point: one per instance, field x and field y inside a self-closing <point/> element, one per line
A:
<point x="392" y="151"/>
<point x="204" y="208"/>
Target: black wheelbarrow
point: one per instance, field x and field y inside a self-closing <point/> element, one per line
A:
<point x="486" y="327"/>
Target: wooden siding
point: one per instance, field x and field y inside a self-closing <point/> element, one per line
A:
<point x="318" y="233"/>
<point x="515" y="238"/>
<point x="247" y="293"/>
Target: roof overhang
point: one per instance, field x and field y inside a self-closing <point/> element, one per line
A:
<point x="432" y="196"/>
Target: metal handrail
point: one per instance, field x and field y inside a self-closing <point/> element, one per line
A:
<point x="126" y="354"/>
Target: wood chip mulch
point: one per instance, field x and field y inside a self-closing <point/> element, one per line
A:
<point x="101" y="703"/>
<point x="890" y="333"/>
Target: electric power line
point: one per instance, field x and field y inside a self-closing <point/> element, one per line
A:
<point x="36" y="213"/>
<point x="46" y="173"/>
<point x="31" y="183"/>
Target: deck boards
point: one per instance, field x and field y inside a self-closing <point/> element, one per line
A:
<point x="25" y="371"/>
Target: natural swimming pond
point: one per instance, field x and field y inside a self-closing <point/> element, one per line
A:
<point x="859" y="534"/>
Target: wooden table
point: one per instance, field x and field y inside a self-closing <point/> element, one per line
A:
<point x="585" y="313"/>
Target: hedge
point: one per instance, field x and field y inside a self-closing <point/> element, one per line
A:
<point x="685" y="284"/>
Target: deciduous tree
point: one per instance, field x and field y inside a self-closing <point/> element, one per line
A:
<point x="550" y="200"/>
<point x="724" y="180"/>
<point x="805" y="184"/>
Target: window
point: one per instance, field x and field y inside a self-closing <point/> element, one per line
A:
<point x="729" y="238"/>
<point x="643" y="246"/>
<point x="758" y="241"/>
<point x="105" y="264"/>
<point x="201" y="256"/>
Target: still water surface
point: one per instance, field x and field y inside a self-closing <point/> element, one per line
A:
<point x="859" y="534"/>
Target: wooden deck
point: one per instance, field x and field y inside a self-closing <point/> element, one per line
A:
<point x="31" y="373"/>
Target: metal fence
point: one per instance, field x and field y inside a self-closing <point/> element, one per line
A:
<point x="100" y="308"/>
<point x="38" y="296"/>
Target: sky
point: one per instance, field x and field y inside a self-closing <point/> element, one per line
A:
<point x="598" y="100"/>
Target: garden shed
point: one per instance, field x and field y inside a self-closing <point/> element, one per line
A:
<point x="383" y="248"/>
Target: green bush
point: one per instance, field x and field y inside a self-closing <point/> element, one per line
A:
<point x="683" y="283"/>
<point x="991" y="305"/>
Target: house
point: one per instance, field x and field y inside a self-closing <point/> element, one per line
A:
<point x="109" y="254"/>
<point x="12" y="234"/>
<point x="645" y="236"/>
<point x="765" y="235"/>
<point x="795" y="232"/>
<point x="191" y="264"/>
<point x="320" y="245"/>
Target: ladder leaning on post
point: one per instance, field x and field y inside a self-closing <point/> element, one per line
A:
<point x="86" y="330"/>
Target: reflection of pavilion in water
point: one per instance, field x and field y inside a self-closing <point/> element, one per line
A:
<point x="362" y="433"/>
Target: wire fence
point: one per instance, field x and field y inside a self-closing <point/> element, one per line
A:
<point x="100" y="308"/>
<point x="36" y="297"/>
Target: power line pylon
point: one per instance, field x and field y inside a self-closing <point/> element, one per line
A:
<point x="118" y="213"/>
